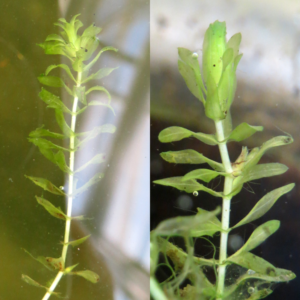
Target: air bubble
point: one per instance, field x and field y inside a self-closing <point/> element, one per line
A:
<point x="195" y="193"/>
<point x="62" y="188"/>
<point x="195" y="55"/>
<point x="251" y="290"/>
<point x="250" y="272"/>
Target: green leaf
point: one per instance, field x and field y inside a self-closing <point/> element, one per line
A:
<point x="106" y="128"/>
<point x="95" y="103"/>
<point x="88" y="275"/>
<point x="39" y="132"/>
<point x="70" y="269"/>
<point x="99" y="88"/>
<point x="227" y="58"/>
<point x="97" y="159"/>
<point x="243" y="131"/>
<point x="46" y="185"/>
<point x="190" y="71"/>
<point x="259" y="235"/>
<point x="264" y="204"/>
<point x="188" y="186"/>
<point x="53" y="101"/>
<point x="95" y="179"/>
<point x="175" y="133"/>
<point x="234" y="43"/>
<point x="210" y="227"/>
<point x="54" y="37"/>
<point x="190" y="156"/>
<point x="54" y="48"/>
<point x="87" y="67"/>
<point x="77" y="242"/>
<point x="181" y="226"/>
<point x="63" y="124"/>
<point x="92" y="30"/>
<point x="63" y="66"/>
<point x="60" y="161"/>
<point x="30" y="281"/>
<point x="79" y="92"/>
<point x="51" y="81"/>
<point x="260" y="171"/>
<point x="45" y="144"/>
<point x="256" y="153"/>
<point x="53" y="211"/>
<point x="50" y="263"/>
<point x="100" y="74"/>
<point x="201" y="174"/>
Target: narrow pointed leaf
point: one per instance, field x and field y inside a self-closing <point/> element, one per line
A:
<point x="201" y="174"/>
<point x="51" y="81"/>
<point x="54" y="37"/>
<point x="259" y="235"/>
<point x="190" y="156"/>
<point x="40" y="132"/>
<point x="77" y="242"/>
<point x="184" y="225"/>
<point x="97" y="159"/>
<point x="106" y="128"/>
<point x="79" y="92"/>
<point x="63" y="66"/>
<point x="46" y="185"/>
<point x="88" y="275"/>
<point x="54" y="211"/>
<point x="101" y="89"/>
<point x="95" y="179"/>
<point x="43" y="143"/>
<point x="60" y="161"/>
<point x="63" y="124"/>
<point x="30" y="281"/>
<point x="188" y="186"/>
<point x="264" y="204"/>
<point x="256" y="154"/>
<point x="70" y="269"/>
<point x="98" y="103"/>
<point x="53" y="101"/>
<point x="243" y="131"/>
<point x="100" y="74"/>
<point x="175" y="133"/>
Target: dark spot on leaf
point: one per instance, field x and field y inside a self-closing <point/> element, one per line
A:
<point x="214" y="65"/>
<point x="270" y="271"/>
<point x="287" y="140"/>
<point x="86" y="50"/>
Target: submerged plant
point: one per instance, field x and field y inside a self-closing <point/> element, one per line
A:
<point x="78" y="49"/>
<point x="215" y="88"/>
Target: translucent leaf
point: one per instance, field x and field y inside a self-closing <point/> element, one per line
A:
<point x="79" y="92"/>
<point x="97" y="159"/>
<point x="190" y="156"/>
<point x="94" y="103"/>
<point x="45" y="144"/>
<point x="60" y="161"/>
<point x="87" y="67"/>
<point x="237" y="60"/>
<point x="264" y="204"/>
<point x="46" y="185"/>
<point x="259" y="235"/>
<point x="260" y="171"/>
<point x="210" y="227"/>
<point x="54" y="37"/>
<point x="227" y="58"/>
<point x="92" y="30"/>
<point x="77" y="242"/>
<point x="54" y="211"/>
<point x="54" y="48"/>
<point x="30" y="281"/>
<point x="201" y="174"/>
<point x="243" y="131"/>
<point x="107" y="128"/>
<point x="51" y="81"/>
<point x="39" y="132"/>
<point x="257" y="153"/>
<point x="175" y="133"/>
<point x="188" y="186"/>
<point x="101" y="89"/>
<point x="50" y="263"/>
<point x="63" y="124"/>
<point x="88" y="275"/>
<point x="80" y="111"/>
<point x="95" y="179"/>
<point x="100" y="74"/>
<point x="53" y="101"/>
<point x="63" y="66"/>
<point x="262" y="269"/>
<point x="234" y="43"/>
<point x="184" y="225"/>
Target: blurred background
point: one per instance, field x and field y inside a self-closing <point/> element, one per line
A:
<point x="268" y="94"/>
<point x="118" y="249"/>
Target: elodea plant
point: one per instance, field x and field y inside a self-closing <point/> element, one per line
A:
<point x="78" y="49"/>
<point x="190" y="278"/>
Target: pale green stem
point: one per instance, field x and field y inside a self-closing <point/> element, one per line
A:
<point x="70" y="192"/>
<point x="156" y="291"/>
<point x="225" y="208"/>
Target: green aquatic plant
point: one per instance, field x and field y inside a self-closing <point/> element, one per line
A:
<point x="78" y="49"/>
<point x="215" y="88"/>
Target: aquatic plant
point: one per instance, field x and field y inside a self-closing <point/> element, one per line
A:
<point x="215" y="88"/>
<point x="78" y="49"/>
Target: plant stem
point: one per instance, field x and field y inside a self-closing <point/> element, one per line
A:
<point x="225" y="208"/>
<point x="70" y="193"/>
